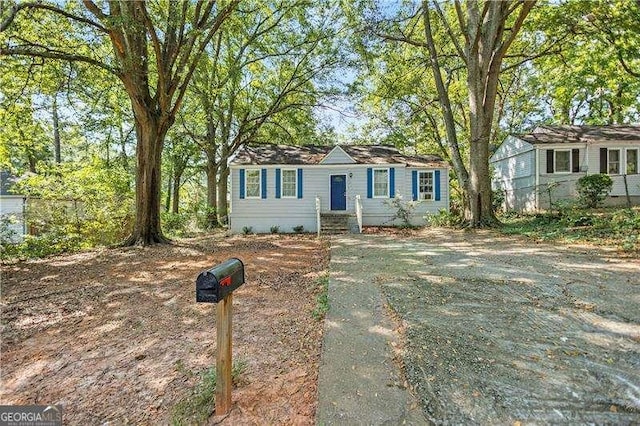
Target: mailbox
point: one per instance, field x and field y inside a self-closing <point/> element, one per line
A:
<point x="214" y="284"/>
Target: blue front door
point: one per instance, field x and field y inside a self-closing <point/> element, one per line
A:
<point x="338" y="192"/>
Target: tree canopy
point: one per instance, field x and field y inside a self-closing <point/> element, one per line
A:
<point x="121" y="84"/>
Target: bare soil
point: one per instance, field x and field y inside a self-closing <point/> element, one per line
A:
<point x="503" y="330"/>
<point x="115" y="335"/>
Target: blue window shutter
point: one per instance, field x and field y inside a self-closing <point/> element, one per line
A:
<point x="436" y="184"/>
<point x="414" y="185"/>
<point x="392" y="182"/>
<point x="241" y="184"/>
<point x="277" y="183"/>
<point x="299" y="183"/>
<point x="264" y="183"/>
<point x="369" y="182"/>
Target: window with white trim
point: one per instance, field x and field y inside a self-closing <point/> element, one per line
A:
<point x="289" y="183"/>
<point x="562" y="161"/>
<point x="632" y="161"/>
<point x="613" y="162"/>
<point x="252" y="183"/>
<point x="380" y="182"/>
<point x="425" y="185"/>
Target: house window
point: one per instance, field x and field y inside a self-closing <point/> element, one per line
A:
<point x="613" y="162"/>
<point x="632" y="161"/>
<point x="380" y="182"/>
<point x="425" y="185"/>
<point x="252" y="183"/>
<point x="289" y="183"/>
<point x="562" y="161"/>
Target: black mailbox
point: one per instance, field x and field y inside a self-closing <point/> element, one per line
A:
<point x="214" y="284"/>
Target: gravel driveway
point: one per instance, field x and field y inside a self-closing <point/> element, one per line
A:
<point x="504" y="330"/>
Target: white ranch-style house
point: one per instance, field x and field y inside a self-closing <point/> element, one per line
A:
<point x="318" y="186"/>
<point x="525" y="165"/>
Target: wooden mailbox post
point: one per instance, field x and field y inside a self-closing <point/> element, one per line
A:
<point x="216" y="285"/>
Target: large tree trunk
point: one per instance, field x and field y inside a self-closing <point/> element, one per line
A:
<point x="176" y="193"/>
<point x="212" y="191"/>
<point x="482" y="89"/>
<point x="222" y="191"/>
<point x="167" y="203"/>
<point x="150" y="137"/>
<point x="56" y="130"/>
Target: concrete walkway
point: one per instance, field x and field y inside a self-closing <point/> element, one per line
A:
<point x="359" y="382"/>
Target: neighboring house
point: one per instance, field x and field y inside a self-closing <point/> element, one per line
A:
<point x="526" y="165"/>
<point x="290" y="186"/>
<point x="12" y="208"/>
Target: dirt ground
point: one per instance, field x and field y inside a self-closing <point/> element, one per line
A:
<point x="505" y="330"/>
<point x="116" y="336"/>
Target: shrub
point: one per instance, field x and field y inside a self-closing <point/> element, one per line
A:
<point x="404" y="210"/>
<point x="75" y="206"/>
<point x="445" y="219"/>
<point x="498" y="199"/>
<point x="7" y="234"/>
<point x="175" y="223"/>
<point x="593" y="189"/>
<point x="246" y="230"/>
<point x="298" y="229"/>
<point x="625" y="220"/>
<point x="206" y="218"/>
<point x="275" y="229"/>
<point x="549" y="189"/>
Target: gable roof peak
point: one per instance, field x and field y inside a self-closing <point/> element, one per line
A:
<point x="333" y="152"/>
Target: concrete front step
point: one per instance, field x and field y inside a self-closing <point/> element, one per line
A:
<point x="335" y="223"/>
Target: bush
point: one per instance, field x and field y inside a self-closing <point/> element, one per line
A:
<point x="498" y="199"/>
<point x="625" y="220"/>
<point x="206" y="217"/>
<point x="593" y="189"/>
<point x="404" y="210"/>
<point x="75" y="206"/>
<point x="175" y="223"/>
<point x="298" y="229"/>
<point x="7" y="234"/>
<point x="275" y="229"/>
<point x="445" y="219"/>
<point x="246" y="230"/>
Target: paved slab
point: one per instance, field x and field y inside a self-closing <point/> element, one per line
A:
<point x="497" y="330"/>
<point x="359" y="382"/>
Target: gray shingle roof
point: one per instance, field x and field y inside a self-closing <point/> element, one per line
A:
<point x="582" y="134"/>
<point x="7" y="181"/>
<point x="266" y="154"/>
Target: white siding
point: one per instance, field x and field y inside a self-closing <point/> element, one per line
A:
<point x="262" y="214"/>
<point x="337" y="156"/>
<point x="589" y="164"/>
<point x="633" y="181"/>
<point x="12" y="207"/>
<point x="514" y="172"/>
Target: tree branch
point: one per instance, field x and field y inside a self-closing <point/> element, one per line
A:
<point x="53" y="54"/>
<point x="526" y="8"/>
<point x="14" y="12"/>
<point x="452" y="36"/>
<point x="402" y="39"/>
